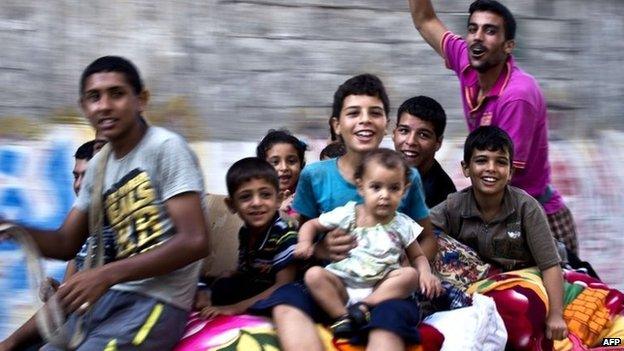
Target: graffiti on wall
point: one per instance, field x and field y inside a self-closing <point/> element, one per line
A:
<point x="35" y="190"/>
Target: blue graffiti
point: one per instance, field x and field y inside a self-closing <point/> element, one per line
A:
<point x="15" y="197"/>
<point x="18" y="190"/>
<point x="10" y="162"/>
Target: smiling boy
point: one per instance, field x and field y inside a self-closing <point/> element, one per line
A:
<point x="502" y="223"/>
<point x="418" y="136"/>
<point x="359" y="118"/>
<point x="266" y="241"/>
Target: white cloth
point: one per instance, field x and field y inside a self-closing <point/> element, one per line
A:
<point x="478" y="327"/>
<point x="357" y="294"/>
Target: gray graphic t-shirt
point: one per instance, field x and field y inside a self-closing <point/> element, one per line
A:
<point x="135" y="219"/>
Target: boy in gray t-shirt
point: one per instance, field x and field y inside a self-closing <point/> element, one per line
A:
<point x="152" y="217"/>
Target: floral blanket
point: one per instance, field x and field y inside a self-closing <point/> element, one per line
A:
<point x="253" y="333"/>
<point x="592" y="310"/>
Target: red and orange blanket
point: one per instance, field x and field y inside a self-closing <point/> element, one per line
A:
<point x="593" y="312"/>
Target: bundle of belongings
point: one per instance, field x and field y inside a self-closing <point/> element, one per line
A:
<point x="482" y="309"/>
<point x="507" y="311"/>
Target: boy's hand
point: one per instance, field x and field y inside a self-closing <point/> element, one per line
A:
<point x="304" y="250"/>
<point x="339" y="242"/>
<point x="83" y="289"/>
<point x="202" y="300"/>
<point x="556" y="328"/>
<point x="430" y="285"/>
<point x="287" y="199"/>
<point x="47" y="288"/>
<point x="213" y="311"/>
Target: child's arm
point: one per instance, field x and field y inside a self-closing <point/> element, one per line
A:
<point x="556" y="328"/>
<point x="285" y="276"/>
<point x="307" y="232"/>
<point x="25" y="336"/>
<point x="427" y="240"/>
<point x="60" y="244"/>
<point x="429" y="284"/>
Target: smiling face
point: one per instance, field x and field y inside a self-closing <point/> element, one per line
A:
<point x="416" y="140"/>
<point x="362" y="123"/>
<point x="111" y="105"/>
<point x="285" y="159"/>
<point x="489" y="172"/>
<point x="487" y="47"/>
<point x="256" y="202"/>
<point x="382" y="189"/>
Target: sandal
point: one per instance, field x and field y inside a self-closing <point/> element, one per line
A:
<point x="343" y="327"/>
<point x="360" y="314"/>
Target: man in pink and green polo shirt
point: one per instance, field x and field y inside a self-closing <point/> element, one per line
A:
<point x="497" y="92"/>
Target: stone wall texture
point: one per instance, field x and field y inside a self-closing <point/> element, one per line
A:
<point x="246" y="66"/>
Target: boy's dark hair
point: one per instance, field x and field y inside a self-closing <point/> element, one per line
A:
<point x="113" y="64"/>
<point x="281" y="136"/>
<point x="247" y="169"/>
<point x="499" y="9"/>
<point x="426" y="109"/>
<point x="363" y="84"/>
<point x="333" y="150"/>
<point x="85" y="151"/>
<point x="390" y="159"/>
<point x="489" y="138"/>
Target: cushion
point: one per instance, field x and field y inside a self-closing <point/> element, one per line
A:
<point x="223" y="227"/>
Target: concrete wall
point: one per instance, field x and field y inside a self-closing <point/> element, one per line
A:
<point x="246" y="66"/>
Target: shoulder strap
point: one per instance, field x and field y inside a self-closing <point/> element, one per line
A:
<point x="96" y="216"/>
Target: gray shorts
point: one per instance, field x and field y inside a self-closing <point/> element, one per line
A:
<point x="128" y="321"/>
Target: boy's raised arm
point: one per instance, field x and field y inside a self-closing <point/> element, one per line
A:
<point x="428" y="23"/>
<point x="189" y="244"/>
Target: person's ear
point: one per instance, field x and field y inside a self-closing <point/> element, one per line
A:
<point x="144" y="96"/>
<point x="335" y="123"/>
<point x="465" y="169"/>
<point x="81" y="103"/>
<point x="230" y="204"/>
<point x="438" y="143"/>
<point x="509" y="46"/>
<point x="511" y="173"/>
